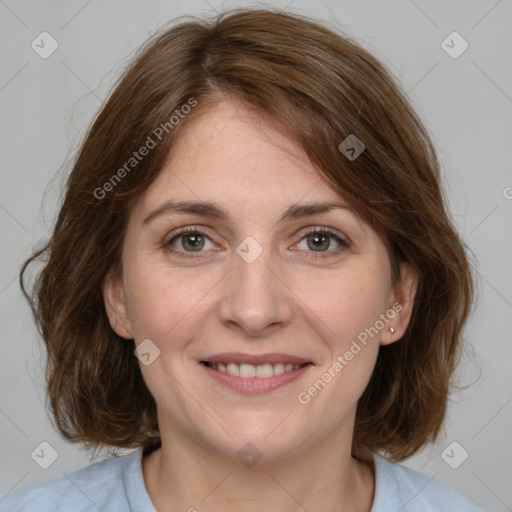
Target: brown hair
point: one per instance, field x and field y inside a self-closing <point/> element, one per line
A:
<point x="323" y="87"/>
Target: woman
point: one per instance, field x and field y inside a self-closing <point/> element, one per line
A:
<point x="253" y="280"/>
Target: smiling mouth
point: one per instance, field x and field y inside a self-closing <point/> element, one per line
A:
<point x="246" y="371"/>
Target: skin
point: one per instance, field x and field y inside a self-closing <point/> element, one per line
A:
<point x="283" y="302"/>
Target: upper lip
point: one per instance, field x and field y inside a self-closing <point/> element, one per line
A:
<point x="254" y="359"/>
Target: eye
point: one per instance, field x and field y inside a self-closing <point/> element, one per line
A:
<point x="322" y="240"/>
<point x="189" y="239"/>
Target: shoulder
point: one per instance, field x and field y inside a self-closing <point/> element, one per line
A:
<point x="398" y="487"/>
<point x="100" y="486"/>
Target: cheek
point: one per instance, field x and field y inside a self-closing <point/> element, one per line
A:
<point x="346" y="303"/>
<point x="346" y="308"/>
<point x="166" y="305"/>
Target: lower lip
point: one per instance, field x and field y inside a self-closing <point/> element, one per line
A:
<point x="256" y="385"/>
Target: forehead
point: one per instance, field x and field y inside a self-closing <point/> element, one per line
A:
<point x="232" y="155"/>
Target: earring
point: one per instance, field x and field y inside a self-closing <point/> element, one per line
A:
<point x="392" y="330"/>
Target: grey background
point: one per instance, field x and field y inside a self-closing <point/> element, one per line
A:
<point x="466" y="103"/>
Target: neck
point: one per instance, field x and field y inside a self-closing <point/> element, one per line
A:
<point x="185" y="475"/>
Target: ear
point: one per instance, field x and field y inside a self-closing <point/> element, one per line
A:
<point x="115" y="305"/>
<point x="401" y="303"/>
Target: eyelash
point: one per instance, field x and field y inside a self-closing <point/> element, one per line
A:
<point x="344" y="244"/>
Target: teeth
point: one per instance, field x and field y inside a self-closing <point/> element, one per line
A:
<point x="247" y="370"/>
<point x="262" y="371"/>
<point x="233" y="369"/>
<point x="278" y="368"/>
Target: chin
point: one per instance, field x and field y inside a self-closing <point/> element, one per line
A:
<point x="262" y="436"/>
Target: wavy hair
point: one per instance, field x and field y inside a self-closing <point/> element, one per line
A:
<point x="322" y="86"/>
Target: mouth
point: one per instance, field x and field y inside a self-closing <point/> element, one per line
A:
<point x="247" y="371"/>
<point x="252" y="374"/>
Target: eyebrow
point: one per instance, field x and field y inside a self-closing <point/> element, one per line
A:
<point x="214" y="211"/>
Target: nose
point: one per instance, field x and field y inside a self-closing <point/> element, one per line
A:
<point x="255" y="299"/>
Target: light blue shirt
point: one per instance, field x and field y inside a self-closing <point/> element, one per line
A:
<point x="117" y="485"/>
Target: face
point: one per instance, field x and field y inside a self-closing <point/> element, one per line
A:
<point x="259" y="321"/>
